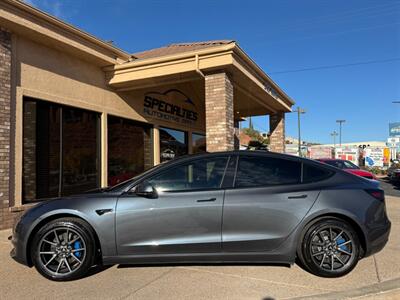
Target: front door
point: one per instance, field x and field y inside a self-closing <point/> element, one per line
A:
<point x="184" y="218"/>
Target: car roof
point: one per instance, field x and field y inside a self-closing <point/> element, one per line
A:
<point x="242" y="153"/>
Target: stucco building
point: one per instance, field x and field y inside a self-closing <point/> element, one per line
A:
<point x="77" y="113"/>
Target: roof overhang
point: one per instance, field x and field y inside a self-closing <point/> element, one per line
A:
<point x="248" y="78"/>
<point x="25" y="20"/>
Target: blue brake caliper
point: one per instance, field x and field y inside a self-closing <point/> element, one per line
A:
<point x="341" y="241"/>
<point x="77" y="245"/>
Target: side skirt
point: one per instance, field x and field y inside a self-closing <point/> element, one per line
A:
<point x="220" y="257"/>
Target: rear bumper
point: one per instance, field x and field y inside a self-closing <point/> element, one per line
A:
<point x="378" y="238"/>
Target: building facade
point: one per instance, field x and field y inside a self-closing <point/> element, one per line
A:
<point x="77" y="113"/>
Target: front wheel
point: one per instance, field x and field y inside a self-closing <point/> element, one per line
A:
<point x="63" y="249"/>
<point x="329" y="248"/>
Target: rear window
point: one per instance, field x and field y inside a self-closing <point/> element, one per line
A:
<point x="313" y="174"/>
<point x="266" y="171"/>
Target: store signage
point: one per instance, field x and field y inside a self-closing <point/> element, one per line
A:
<point x="172" y="105"/>
<point x="168" y="154"/>
<point x="393" y="140"/>
<point x="374" y="157"/>
<point x="320" y="152"/>
<point x="350" y="154"/>
<point x="394" y="129"/>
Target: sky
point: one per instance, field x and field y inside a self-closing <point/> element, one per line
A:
<point x="350" y="48"/>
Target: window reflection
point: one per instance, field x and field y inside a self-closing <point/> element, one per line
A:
<point x="58" y="143"/>
<point x="80" y="151"/>
<point x="195" y="175"/>
<point x="173" y="143"/>
<point x="129" y="149"/>
<point x="198" y="143"/>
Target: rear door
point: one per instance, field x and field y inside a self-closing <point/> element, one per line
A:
<point x="266" y="204"/>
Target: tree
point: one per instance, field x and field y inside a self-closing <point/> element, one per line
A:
<point x="255" y="135"/>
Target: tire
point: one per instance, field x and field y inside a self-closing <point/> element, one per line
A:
<point x="330" y="247"/>
<point x="64" y="249"/>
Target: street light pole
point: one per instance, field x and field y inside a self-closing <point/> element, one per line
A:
<point x="340" y="130"/>
<point x="334" y="134"/>
<point x="299" y="112"/>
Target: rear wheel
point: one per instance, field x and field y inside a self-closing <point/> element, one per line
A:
<point x="329" y="248"/>
<point x="63" y="249"/>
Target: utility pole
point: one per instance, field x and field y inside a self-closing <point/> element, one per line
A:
<point x="334" y="134"/>
<point x="340" y="130"/>
<point x="299" y="112"/>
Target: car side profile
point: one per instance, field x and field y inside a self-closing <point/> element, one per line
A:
<point x="239" y="206"/>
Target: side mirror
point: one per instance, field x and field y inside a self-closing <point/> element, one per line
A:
<point x="146" y="190"/>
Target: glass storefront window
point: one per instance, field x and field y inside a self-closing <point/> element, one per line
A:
<point x="198" y="143"/>
<point x="80" y="146"/>
<point x="129" y="149"/>
<point x="173" y="143"/>
<point x="60" y="150"/>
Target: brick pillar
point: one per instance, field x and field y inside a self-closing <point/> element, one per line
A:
<point x="29" y="176"/>
<point x="6" y="218"/>
<point x="277" y="132"/>
<point x="220" y="128"/>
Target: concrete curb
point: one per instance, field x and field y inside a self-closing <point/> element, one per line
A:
<point x="392" y="284"/>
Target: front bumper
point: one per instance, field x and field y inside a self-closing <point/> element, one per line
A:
<point x="18" y="253"/>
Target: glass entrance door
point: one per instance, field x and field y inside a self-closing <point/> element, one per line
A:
<point x="173" y="143"/>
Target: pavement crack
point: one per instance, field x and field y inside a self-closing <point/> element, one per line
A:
<point x="147" y="284"/>
<point x="376" y="269"/>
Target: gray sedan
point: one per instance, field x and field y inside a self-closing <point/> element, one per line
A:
<point x="243" y="206"/>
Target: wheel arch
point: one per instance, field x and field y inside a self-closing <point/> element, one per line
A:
<point x="53" y="217"/>
<point x="357" y="227"/>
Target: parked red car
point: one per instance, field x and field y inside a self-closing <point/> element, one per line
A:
<point x="348" y="167"/>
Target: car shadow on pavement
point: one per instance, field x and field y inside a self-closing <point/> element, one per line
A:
<point x="149" y="265"/>
<point x="96" y="269"/>
<point x="100" y="268"/>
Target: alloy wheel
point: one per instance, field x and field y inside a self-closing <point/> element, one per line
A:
<point x="332" y="248"/>
<point x="62" y="251"/>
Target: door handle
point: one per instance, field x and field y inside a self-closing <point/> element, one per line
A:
<point x="207" y="200"/>
<point x="298" y="197"/>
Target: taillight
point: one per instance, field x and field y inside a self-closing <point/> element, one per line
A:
<point x="377" y="194"/>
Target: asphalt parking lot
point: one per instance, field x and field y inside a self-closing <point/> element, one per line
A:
<point x="389" y="188"/>
<point x="376" y="277"/>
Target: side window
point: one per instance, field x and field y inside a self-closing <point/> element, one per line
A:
<point x="266" y="171"/>
<point x="194" y="175"/>
<point x="314" y="174"/>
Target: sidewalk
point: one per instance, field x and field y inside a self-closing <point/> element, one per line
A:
<point x="374" y="278"/>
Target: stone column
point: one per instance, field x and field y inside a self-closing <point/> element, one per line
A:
<point x="277" y="132"/>
<point x="220" y="128"/>
<point x="6" y="218"/>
